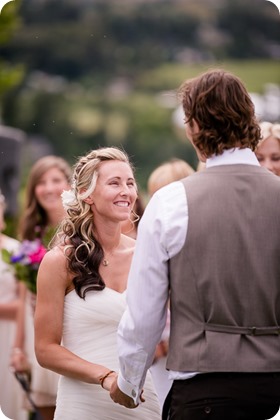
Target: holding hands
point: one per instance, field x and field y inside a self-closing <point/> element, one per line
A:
<point x="120" y="397"/>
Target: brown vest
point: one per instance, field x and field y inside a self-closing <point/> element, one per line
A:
<point x="225" y="282"/>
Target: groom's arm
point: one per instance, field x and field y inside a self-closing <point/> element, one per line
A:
<point x="144" y="319"/>
<point x="160" y="236"/>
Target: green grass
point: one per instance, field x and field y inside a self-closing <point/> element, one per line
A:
<point x="254" y="73"/>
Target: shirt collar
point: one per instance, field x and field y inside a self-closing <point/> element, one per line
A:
<point x="233" y="157"/>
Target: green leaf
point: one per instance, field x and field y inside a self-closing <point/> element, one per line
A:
<point x="6" y="256"/>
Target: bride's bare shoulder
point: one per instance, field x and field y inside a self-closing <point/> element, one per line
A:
<point x="56" y="256"/>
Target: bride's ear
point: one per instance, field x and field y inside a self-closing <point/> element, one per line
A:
<point x="89" y="200"/>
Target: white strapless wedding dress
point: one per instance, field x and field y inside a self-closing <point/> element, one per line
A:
<point x="90" y="331"/>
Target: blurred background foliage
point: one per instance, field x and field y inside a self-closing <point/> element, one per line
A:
<point x="10" y="74"/>
<point x="80" y="74"/>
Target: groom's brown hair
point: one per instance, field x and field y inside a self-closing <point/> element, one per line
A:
<point x="221" y="106"/>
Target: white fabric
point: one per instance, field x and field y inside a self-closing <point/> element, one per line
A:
<point x="159" y="373"/>
<point x="90" y="331"/>
<point x="11" y="394"/>
<point x="161" y="379"/>
<point x="161" y="234"/>
<point x="232" y="157"/>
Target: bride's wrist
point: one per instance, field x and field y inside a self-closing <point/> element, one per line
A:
<point x="108" y="381"/>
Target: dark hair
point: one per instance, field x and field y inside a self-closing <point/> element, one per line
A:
<point x="139" y="209"/>
<point x="221" y="106"/>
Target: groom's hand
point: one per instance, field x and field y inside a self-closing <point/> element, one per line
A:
<point x="120" y="398"/>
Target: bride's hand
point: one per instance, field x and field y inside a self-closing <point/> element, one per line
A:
<point x="142" y="399"/>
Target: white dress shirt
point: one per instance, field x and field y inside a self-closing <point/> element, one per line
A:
<point x="161" y="235"/>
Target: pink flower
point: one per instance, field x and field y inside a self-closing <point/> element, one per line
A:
<point x="26" y="261"/>
<point x="37" y="256"/>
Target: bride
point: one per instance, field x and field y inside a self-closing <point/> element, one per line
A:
<point x="82" y="291"/>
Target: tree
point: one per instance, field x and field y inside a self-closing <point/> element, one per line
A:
<point x="11" y="75"/>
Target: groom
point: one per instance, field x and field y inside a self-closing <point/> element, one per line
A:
<point x="211" y="244"/>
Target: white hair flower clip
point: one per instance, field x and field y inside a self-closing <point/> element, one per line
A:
<point x="68" y="198"/>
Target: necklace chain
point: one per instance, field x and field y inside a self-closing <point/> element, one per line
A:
<point x="105" y="260"/>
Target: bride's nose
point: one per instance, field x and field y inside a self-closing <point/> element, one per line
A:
<point x="124" y="190"/>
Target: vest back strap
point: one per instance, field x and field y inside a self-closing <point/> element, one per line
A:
<point x="235" y="329"/>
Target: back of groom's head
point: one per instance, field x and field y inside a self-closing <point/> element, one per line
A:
<point x="220" y="105"/>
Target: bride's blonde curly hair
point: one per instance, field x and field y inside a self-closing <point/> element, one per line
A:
<point x="84" y="252"/>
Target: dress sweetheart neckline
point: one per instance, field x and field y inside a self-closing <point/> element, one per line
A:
<point x="106" y="287"/>
<point x="120" y="293"/>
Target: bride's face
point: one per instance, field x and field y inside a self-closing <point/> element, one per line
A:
<point x="115" y="192"/>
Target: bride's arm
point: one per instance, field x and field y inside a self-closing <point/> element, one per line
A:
<point x="53" y="282"/>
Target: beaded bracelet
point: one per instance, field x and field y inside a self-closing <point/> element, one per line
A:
<point x="102" y="379"/>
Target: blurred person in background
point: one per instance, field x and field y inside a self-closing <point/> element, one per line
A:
<point x="11" y="394"/>
<point x="168" y="172"/>
<point x="268" y="150"/>
<point x="42" y="213"/>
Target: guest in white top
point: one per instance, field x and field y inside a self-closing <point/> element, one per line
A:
<point x="11" y="395"/>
